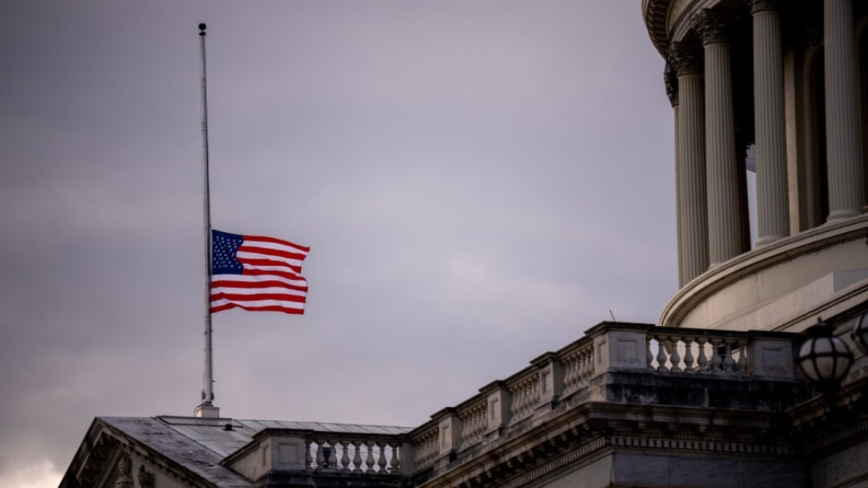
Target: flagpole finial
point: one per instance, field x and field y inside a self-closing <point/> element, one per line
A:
<point x="202" y="29"/>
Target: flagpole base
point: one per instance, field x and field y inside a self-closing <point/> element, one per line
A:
<point x="207" y="411"/>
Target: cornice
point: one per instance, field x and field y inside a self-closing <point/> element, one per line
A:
<point x="754" y="261"/>
<point x="654" y="12"/>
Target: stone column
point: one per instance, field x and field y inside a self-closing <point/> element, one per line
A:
<point x="843" y="144"/>
<point x="671" y="81"/>
<point x="773" y="213"/>
<point x="693" y="208"/>
<point x="724" y="211"/>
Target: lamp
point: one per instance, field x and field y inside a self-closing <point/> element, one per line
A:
<point x="860" y="333"/>
<point x="823" y="358"/>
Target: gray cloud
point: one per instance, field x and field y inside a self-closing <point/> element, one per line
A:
<point x="479" y="182"/>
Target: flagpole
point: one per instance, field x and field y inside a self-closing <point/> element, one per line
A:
<point x="206" y="408"/>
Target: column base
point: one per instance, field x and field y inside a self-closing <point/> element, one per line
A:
<point x="765" y="241"/>
<point x="843" y="215"/>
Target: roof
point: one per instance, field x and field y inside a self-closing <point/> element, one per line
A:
<point x="213" y="435"/>
<point x="198" y="445"/>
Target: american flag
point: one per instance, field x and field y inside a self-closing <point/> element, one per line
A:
<point x="256" y="273"/>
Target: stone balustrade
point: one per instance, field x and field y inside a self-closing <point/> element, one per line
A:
<point x="427" y="446"/>
<point x="350" y="454"/>
<point x="598" y="367"/>
<point x="579" y="364"/>
<point x="679" y="351"/>
<point x="525" y="393"/>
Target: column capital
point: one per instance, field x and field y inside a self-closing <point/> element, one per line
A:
<point x="760" y="5"/>
<point x="711" y="25"/>
<point x="671" y="81"/>
<point x="686" y="58"/>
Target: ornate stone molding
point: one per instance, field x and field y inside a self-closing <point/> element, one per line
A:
<point x="670" y="79"/>
<point x="760" y="5"/>
<point x="711" y="25"/>
<point x="686" y="58"/>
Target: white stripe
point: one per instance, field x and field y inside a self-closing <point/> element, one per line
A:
<point x="257" y="279"/>
<point x="272" y="245"/>
<point x="254" y="291"/>
<point x="273" y="268"/>
<point x="259" y="303"/>
<point x="272" y="257"/>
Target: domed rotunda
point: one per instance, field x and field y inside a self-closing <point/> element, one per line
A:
<point x="785" y="81"/>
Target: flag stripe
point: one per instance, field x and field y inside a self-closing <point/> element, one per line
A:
<point x="226" y="290"/>
<point x="272" y="240"/>
<point x="268" y="264"/>
<point x="229" y="283"/>
<point x="253" y="297"/>
<point x="257" y="273"/>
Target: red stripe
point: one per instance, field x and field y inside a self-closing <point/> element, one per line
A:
<point x="268" y="262"/>
<point x="275" y="241"/>
<point x="268" y="272"/>
<point x="255" y="284"/>
<point x="273" y="252"/>
<point x="268" y="308"/>
<point x="232" y="297"/>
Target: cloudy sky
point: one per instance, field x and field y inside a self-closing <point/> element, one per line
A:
<point x="479" y="182"/>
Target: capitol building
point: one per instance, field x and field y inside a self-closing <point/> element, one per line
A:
<point x="754" y="375"/>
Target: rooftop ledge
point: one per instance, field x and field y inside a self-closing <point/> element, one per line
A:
<point x="617" y="376"/>
<point x="829" y="248"/>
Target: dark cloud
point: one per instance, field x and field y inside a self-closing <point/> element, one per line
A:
<point x="479" y="182"/>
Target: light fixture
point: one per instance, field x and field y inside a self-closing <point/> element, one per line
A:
<point x="860" y="333"/>
<point x="823" y="358"/>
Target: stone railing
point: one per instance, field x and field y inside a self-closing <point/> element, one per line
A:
<point x="675" y="350"/>
<point x="324" y="453"/>
<point x="427" y="443"/>
<point x="578" y="373"/>
<point x="578" y="360"/>
<point x="351" y="453"/>
<point x="578" y="368"/>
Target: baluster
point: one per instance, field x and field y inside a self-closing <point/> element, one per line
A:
<point x="583" y="367"/>
<point x="675" y="358"/>
<point x="688" y="355"/>
<point x="590" y="355"/>
<point x="333" y="454"/>
<point x="715" y="355"/>
<point x="357" y="457"/>
<point x="395" y="462"/>
<point x="381" y="457"/>
<point x="649" y="356"/>
<point x="570" y="370"/>
<point x="345" y="456"/>
<point x="308" y="459"/>
<point x="369" y="460"/>
<point x="742" y="358"/>
<point x="703" y="361"/>
<point x="727" y="357"/>
<point x="320" y="458"/>
<point x="661" y="355"/>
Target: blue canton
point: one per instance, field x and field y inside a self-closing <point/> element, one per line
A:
<point x="224" y="253"/>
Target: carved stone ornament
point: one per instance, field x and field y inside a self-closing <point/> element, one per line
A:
<point x="671" y="82"/>
<point x="711" y="25"/>
<point x="760" y="5"/>
<point x="685" y="58"/>
<point x="146" y="478"/>
<point x="124" y="478"/>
